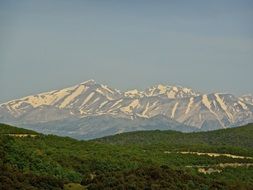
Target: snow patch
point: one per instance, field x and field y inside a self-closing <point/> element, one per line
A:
<point x="162" y="89"/>
<point x="174" y="110"/>
<point x="133" y="93"/>
<point x="186" y="90"/>
<point x="117" y="102"/>
<point x="189" y="105"/>
<point x="223" y="106"/>
<point x="47" y="98"/>
<point x="102" y="104"/>
<point x="87" y="99"/>
<point x="146" y="109"/>
<point x="88" y="82"/>
<point x="96" y="100"/>
<point x="131" y="106"/>
<point x="72" y="96"/>
<point x="171" y="94"/>
<point x="175" y="89"/>
<point x="243" y="105"/>
<point x="206" y="102"/>
<point x="108" y="89"/>
<point x="99" y="91"/>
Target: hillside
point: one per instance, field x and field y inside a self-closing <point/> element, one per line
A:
<point x="237" y="137"/>
<point x="151" y="160"/>
<point x="7" y="129"/>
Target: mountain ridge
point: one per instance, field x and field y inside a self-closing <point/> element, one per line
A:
<point x="182" y="105"/>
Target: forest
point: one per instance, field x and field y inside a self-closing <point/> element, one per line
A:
<point x="135" y="160"/>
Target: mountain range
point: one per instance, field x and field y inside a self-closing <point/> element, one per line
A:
<point x="90" y="110"/>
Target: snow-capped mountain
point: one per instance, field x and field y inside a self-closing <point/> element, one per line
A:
<point x="247" y="98"/>
<point x="170" y="92"/>
<point x="90" y="99"/>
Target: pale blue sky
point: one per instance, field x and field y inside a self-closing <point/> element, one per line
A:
<point x="46" y="45"/>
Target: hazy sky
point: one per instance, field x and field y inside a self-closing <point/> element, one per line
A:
<point x="46" y="45"/>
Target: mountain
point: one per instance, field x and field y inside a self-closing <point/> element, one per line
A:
<point x="135" y="160"/>
<point x="99" y="126"/>
<point x="78" y="105"/>
<point x="247" y="98"/>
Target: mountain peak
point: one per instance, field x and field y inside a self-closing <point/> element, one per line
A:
<point x="93" y="99"/>
<point x="170" y="91"/>
<point x="89" y="82"/>
<point x="134" y="93"/>
<point x="248" y="98"/>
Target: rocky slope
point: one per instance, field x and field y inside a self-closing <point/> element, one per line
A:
<point x="92" y="100"/>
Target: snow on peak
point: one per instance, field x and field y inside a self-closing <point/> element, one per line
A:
<point x="206" y="101"/>
<point x="72" y="96"/>
<point x="175" y="102"/>
<point x="223" y="105"/>
<point x="170" y="91"/>
<point x="46" y="98"/>
<point x="89" y="82"/>
<point x="157" y="90"/>
<point x="187" y="90"/>
<point x="128" y="109"/>
<point x="133" y="93"/>
<point x="174" y="110"/>
<point x="243" y="105"/>
<point x="191" y="101"/>
<point x="174" y="88"/>
<point x="247" y="98"/>
<point x="108" y="89"/>
<point x="162" y="88"/>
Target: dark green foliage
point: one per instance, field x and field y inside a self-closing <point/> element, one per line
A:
<point x="237" y="137"/>
<point x="13" y="179"/>
<point x="126" y="161"/>
<point x="7" y="129"/>
<point x="152" y="178"/>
